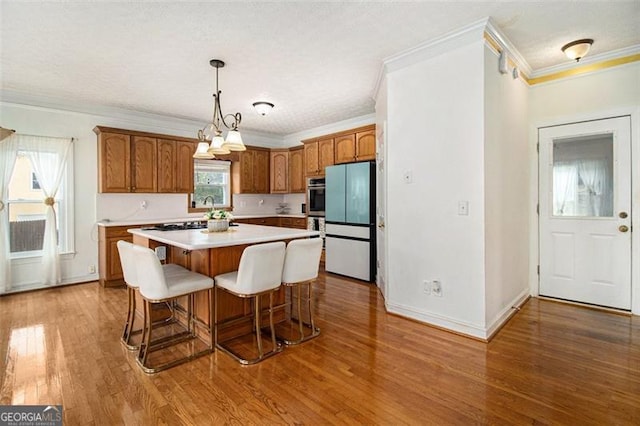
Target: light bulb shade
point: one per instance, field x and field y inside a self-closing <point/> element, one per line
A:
<point x="262" y="107"/>
<point x="216" y="146"/>
<point x="203" y="151"/>
<point x="208" y="132"/>
<point x="577" y="49"/>
<point x="234" y="141"/>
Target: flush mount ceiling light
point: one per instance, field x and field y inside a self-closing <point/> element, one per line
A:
<point x="577" y="49"/>
<point x="211" y="140"/>
<point x="263" y="107"/>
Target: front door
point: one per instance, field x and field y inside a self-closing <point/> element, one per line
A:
<point x="585" y="212"/>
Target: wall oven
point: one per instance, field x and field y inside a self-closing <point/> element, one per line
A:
<point x="315" y="196"/>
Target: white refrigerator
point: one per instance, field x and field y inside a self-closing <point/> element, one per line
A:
<point x="350" y="206"/>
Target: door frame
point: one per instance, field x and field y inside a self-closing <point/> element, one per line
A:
<point x="534" y="224"/>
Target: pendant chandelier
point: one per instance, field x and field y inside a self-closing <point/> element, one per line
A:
<point x="210" y="137"/>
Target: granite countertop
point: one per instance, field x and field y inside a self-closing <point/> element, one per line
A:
<point x="194" y="218"/>
<point x="198" y="239"/>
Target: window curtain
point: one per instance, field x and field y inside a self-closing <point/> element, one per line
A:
<point x="599" y="192"/>
<point x="48" y="158"/>
<point x="583" y="188"/>
<point x="565" y="188"/>
<point x="8" y="156"/>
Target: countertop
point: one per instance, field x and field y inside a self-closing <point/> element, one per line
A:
<point x="189" y="219"/>
<point x="198" y="239"/>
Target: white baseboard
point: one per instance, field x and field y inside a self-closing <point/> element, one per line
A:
<point x="457" y="326"/>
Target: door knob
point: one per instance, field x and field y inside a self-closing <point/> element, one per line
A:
<point x="623" y="215"/>
<point x="623" y="228"/>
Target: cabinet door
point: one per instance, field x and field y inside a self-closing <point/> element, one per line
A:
<point x="296" y="170"/>
<point x="114" y="267"/>
<point x="114" y="163"/>
<point x="261" y="172"/>
<point x="345" y="149"/>
<point x="325" y="154"/>
<point x="279" y="170"/>
<point x="166" y="165"/>
<point x="184" y="167"/>
<point x="366" y="145"/>
<point x="246" y="172"/>
<point x="311" y="159"/>
<point x="144" y="164"/>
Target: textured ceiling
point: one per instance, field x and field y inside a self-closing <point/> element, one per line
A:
<point x="316" y="61"/>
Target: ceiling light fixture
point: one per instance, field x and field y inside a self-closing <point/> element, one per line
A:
<point x="263" y="107"/>
<point x="210" y="137"/>
<point x="577" y="49"/>
<point x="5" y="133"/>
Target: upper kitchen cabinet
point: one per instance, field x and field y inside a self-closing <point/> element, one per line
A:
<point x="132" y="161"/>
<point x="356" y="145"/>
<point x="296" y="170"/>
<point x="175" y="166"/>
<point x="345" y="148"/>
<point x="366" y="145"/>
<point x="114" y="162"/>
<point x="250" y="174"/>
<point x="279" y="170"/>
<point x="144" y="164"/>
<point x="318" y="154"/>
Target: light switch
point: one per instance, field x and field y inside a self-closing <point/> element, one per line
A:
<point x="463" y="208"/>
<point x="407" y="176"/>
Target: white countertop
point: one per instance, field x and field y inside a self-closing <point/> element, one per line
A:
<point x="196" y="239"/>
<point x="189" y="219"/>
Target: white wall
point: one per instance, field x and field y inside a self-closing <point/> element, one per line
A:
<point x="381" y="187"/>
<point x="435" y="130"/>
<point x="90" y="206"/>
<point x="610" y="92"/>
<point x="506" y="189"/>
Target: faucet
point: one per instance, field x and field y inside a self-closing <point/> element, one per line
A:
<point x="205" y="200"/>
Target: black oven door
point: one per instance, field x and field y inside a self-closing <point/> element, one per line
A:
<point x="315" y="205"/>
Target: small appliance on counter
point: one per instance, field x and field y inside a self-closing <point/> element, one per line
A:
<point x="283" y="208"/>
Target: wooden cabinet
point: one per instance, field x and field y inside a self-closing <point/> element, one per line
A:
<point x="144" y="165"/>
<point x="175" y="166"/>
<point x="345" y="149"/>
<point x="109" y="268"/>
<point x="296" y="170"/>
<point x="318" y="154"/>
<point x="293" y="222"/>
<point x="131" y="161"/>
<point x="114" y="163"/>
<point x="250" y="174"/>
<point x="366" y="145"/>
<point x="357" y="146"/>
<point x="279" y="171"/>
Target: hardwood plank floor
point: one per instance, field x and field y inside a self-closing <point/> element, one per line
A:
<point x="551" y="364"/>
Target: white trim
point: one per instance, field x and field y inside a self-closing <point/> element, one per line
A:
<point x="294" y="138"/>
<point x="437" y="320"/>
<point x="468" y="34"/>
<point x="502" y="40"/>
<point x="507" y="312"/>
<point x="606" y="56"/>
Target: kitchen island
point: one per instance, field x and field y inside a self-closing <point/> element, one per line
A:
<point x="216" y="253"/>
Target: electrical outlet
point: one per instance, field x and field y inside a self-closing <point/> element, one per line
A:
<point x="92" y="269"/>
<point x="436" y="288"/>
<point x="143" y="204"/>
<point x="427" y="286"/>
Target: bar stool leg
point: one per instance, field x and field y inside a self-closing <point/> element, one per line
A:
<point x="131" y="315"/>
<point x="257" y="322"/>
<point x="273" y="329"/>
<point x="298" y="293"/>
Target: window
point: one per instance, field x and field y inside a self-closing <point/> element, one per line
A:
<point x="27" y="210"/>
<point x="211" y="184"/>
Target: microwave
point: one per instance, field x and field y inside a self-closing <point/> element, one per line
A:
<point x="315" y="196"/>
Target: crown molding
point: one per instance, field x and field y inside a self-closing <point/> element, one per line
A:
<point x="505" y="44"/>
<point x="589" y="60"/>
<point x="351" y="123"/>
<point x="431" y="48"/>
<point x="187" y="126"/>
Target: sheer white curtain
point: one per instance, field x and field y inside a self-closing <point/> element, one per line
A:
<point x="48" y="158"/>
<point x="565" y="188"/>
<point x="8" y="155"/>
<point x="599" y="193"/>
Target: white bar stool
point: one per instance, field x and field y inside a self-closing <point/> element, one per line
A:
<point x="300" y="269"/>
<point x="125" y="250"/>
<point x="159" y="285"/>
<point x="259" y="273"/>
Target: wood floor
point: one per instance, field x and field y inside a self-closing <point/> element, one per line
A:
<point x="551" y="364"/>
